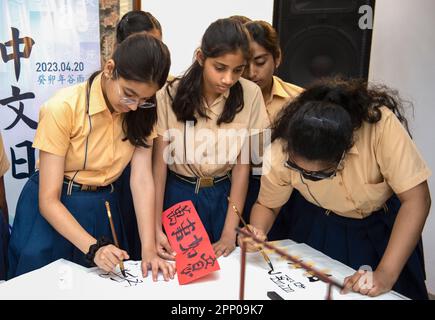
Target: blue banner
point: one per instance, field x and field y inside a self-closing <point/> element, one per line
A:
<point x="44" y="45"/>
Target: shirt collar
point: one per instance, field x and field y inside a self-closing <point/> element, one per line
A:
<point x="97" y="103"/>
<point x="278" y="89"/>
<point x="353" y="150"/>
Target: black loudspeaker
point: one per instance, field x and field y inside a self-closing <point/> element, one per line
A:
<point x="321" y="38"/>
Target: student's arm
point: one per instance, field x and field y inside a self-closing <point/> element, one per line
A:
<point x="160" y="170"/>
<point x="405" y="171"/>
<point x="51" y="173"/>
<point x="3" y="203"/>
<point x="404" y="237"/>
<point x="239" y="188"/>
<point x="143" y="191"/>
<point x="275" y="191"/>
<point x="261" y="221"/>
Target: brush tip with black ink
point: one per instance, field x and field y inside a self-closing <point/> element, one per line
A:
<point x="123" y="273"/>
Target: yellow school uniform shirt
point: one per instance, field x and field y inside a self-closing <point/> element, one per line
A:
<point x="383" y="160"/>
<point x="252" y="116"/>
<point x="4" y="162"/>
<point x="282" y="93"/>
<point x="64" y="126"/>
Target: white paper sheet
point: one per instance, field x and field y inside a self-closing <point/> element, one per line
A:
<point x="65" y="280"/>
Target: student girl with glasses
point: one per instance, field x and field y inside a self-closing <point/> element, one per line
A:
<point x="346" y="148"/>
<point x="86" y="136"/>
<point x="134" y="22"/>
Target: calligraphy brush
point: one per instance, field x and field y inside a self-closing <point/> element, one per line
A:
<point x="265" y="256"/>
<point x="115" y="238"/>
<point x="319" y="274"/>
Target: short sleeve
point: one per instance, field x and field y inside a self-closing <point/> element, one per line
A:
<point x="275" y="190"/>
<point x="54" y="128"/>
<point x="399" y="160"/>
<point x="163" y="104"/>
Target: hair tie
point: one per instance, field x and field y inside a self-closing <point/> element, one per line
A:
<point x="323" y="121"/>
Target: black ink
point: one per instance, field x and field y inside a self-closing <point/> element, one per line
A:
<point x="16" y="54"/>
<point x="190" y="250"/>
<point x="273" y="272"/>
<point x="183" y="231"/>
<point x="177" y="213"/>
<point x="208" y="261"/>
<point x="204" y="263"/>
<point x="30" y="160"/>
<point x="131" y="279"/>
<point x="284" y="282"/>
<point x="16" y="96"/>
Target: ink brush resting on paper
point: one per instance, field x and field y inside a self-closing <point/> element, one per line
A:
<point x="115" y="238"/>
<point x="265" y="256"/>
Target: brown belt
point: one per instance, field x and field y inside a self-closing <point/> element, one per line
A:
<point x="201" y="182"/>
<point x="84" y="187"/>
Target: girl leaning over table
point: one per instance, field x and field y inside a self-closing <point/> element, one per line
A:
<point x="345" y="147"/>
<point x="86" y="136"/>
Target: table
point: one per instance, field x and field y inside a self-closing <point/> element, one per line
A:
<point x="63" y="279"/>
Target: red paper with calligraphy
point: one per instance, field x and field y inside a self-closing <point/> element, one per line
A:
<point x="187" y="236"/>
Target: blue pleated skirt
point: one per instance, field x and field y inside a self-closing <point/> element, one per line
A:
<point x="35" y="243"/>
<point x="251" y="197"/>
<point x="4" y="241"/>
<point x="128" y="214"/>
<point x="354" y="242"/>
<point x="211" y="203"/>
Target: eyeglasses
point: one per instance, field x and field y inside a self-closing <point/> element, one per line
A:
<point x="150" y="103"/>
<point x="314" y="175"/>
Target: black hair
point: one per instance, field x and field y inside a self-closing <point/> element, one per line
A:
<point x="142" y="58"/>
<point x="319" y="124"/>
<point x="266" y="36"/>
<point x="221" y="37"/>
<point x="136" y="21"/>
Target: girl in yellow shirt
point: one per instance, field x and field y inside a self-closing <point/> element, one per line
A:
<point x="86" y="136"/>
<point x="132" y="22"/>
<point x="199" y="154"/>
<point x="346" y="149"/>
